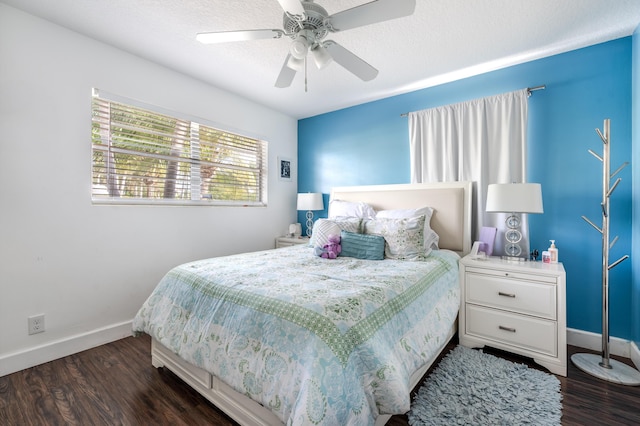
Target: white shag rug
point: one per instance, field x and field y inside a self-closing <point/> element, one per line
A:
<point x="469" y="387"/>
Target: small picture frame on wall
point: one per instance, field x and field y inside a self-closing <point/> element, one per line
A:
<point x="284" y="168"/>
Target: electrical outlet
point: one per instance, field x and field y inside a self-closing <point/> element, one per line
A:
<point x="36" y="324"/>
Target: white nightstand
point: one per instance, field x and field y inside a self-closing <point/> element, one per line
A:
<point x="290" y="241"/>
<point x="518" y="307"/>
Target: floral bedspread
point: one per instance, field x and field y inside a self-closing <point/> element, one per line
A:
<point x="316" y="341"/>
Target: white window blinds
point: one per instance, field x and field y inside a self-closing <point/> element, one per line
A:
<point x="145" y="156"/>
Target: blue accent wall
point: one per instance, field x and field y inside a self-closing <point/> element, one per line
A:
<point x="369" y="144"/>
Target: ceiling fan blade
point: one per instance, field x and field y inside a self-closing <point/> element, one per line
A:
<point x="292" y="7"/>
<point x="371" y="13"/>
<point x="226" y="36"/>
<point x="350" y="61"/>
<point x="286" y="74"/>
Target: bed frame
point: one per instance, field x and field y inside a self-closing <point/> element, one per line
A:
<point x="452" y="222"/>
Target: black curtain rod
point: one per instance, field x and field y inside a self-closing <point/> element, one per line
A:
<point x="529" y="90"/>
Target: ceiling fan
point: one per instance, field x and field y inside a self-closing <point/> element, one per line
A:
<point x="307" y="24"/>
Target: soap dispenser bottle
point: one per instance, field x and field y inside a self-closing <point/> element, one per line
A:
<point x="553" y="251"/>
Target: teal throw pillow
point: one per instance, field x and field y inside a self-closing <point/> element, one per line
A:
<point x="361" y="246"/>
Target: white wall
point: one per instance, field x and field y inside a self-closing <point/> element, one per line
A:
<point x="89" y="268"/>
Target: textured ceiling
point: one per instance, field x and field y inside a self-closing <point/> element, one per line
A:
<point x="443" y="40"/>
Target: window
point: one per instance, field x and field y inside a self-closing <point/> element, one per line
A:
<point x="142" y="156"/>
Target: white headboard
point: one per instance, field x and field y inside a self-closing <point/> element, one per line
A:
<point x="451" y="202"/>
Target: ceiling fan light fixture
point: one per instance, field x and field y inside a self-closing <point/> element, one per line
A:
<point x="321" y="56"/>
<point x="294" y="63"/>
<point x="299" y="47"/>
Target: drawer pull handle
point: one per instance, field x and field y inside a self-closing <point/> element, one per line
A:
<point x="506" y="294"/>
<point x="501" y="327"/>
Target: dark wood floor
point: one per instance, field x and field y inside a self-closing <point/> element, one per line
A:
<point x="116" y="384"/>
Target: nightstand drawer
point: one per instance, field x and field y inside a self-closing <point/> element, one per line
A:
<point x="526" y="297"/>
<point x="291" y="241"/>
<point x="529" y="333"/>
<point x="551" y="279"/>
<point x="280" y="244"/>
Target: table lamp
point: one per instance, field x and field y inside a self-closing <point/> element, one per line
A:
<point x="514" y="198"/>
<point x="309" y="202"/>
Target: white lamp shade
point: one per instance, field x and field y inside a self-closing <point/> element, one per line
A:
<point x="514" y="198"/>
<point x="310" y="201"/>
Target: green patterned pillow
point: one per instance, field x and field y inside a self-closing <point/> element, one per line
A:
<point x="404" y="237"/>
<point x="362" y="246"/>
<point x="430" y="237"/>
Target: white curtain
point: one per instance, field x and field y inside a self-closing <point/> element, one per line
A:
<point x="483" y="141"/>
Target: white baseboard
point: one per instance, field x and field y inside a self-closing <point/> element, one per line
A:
<point x="58" y="349"/>
<point x="34" y="356"/>
<point x="593" y="341"/>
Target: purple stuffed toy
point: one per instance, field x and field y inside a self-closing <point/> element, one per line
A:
<point x="332" y="249"/>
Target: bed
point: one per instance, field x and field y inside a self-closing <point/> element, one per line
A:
<point x="284" y="336"/>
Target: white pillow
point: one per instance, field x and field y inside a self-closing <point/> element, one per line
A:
<point x="325" y="227"/>
<point x="341" y="208"/>
<point x="404" y="238"/>
<point x="431" y="239"/>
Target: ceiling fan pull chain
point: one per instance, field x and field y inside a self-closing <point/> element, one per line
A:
<point x="305" y="74"/>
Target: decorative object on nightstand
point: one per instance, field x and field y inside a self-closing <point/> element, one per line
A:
<point x="309" y="202"/>
<point x="514" y="198"/>
<point x="603" y="367"/>
<point x="295" y="230"/>
<point x="518" y="307"/>
<point x="487" y="239"/>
